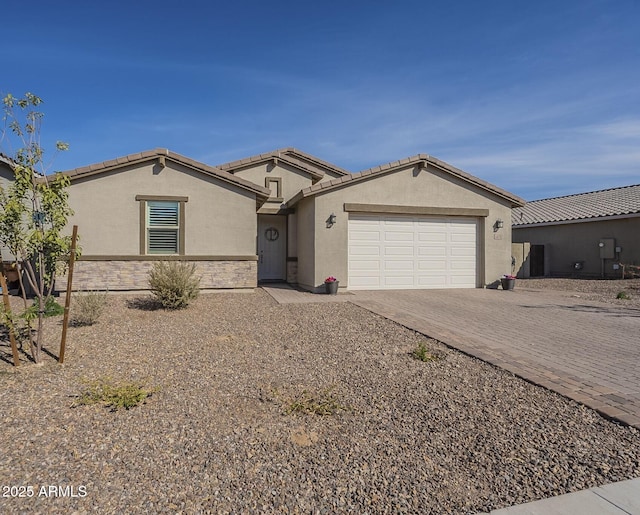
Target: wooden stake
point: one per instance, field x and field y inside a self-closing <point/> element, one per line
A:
<point x="7" y="308"/>
<point x="67" y="300"/>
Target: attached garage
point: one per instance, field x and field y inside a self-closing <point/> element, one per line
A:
<point x="417" y="223"/>
<point x="408" y="252"/>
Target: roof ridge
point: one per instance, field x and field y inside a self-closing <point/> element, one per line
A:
<point x="583" y="193"/>
<point x="392" y="166"/>
<point x="610" y="202"/>
<point x="158" y="152"/>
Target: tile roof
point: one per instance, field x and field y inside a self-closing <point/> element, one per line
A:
<point x="148" y="155"/>
<point x="312" y="165"/>
<point x="582" y="206"/>
<point x="353" y="178"/>
<point x="6" y="160"/>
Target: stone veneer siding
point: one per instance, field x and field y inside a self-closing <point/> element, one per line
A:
<point x="134" y="275"/>
<point x="292" y="272"/>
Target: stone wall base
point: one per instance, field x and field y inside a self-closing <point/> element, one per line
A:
<point x="134" y="275"/>
<point x="292" y="272"/>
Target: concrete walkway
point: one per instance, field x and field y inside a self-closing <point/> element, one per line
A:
<point x="615" y="499"/>
<point x="587" y="351"/>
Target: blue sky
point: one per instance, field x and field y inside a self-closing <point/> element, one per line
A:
<point x="540" y="98"/>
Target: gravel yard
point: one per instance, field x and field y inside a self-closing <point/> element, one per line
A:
<point x="454" y="435"/>
<point x="590" y="289"/>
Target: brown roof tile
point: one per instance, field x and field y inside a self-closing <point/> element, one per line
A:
<point x="347" y="180"/>
<point x="581" y="206"/>
<point x="311" y="164"/>
<point x="98" y="168"/>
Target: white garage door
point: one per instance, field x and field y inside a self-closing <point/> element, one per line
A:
<point x="402" y="252"/>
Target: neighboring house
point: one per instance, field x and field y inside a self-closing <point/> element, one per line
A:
<point x="583" y="235"/>
<point x="6" y="178"/>
<point x="289" y="216"/>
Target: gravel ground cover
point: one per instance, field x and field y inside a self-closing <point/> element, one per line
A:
<point x="590" y="289"/>
<point x="453" y="435"/>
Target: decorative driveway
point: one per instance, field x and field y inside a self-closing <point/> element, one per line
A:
<point x="587" y="351"/>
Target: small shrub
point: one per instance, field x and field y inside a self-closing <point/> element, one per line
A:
<point x="51" y="308"/>
<point x="623" y="295"/>
<point x="88" y="307"/>
<point x="174" y="283"/>
<point x="422" y="353"/>
<point x="321" y="403"/>
<point x="115" y="395"/>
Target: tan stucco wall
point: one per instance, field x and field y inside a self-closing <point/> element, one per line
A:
<point x="305" y="211"/>
<point x="431" y="188"/>
<point x="6" y="178"/>
<point x="568" y="243"/>
<point x="521" y="260"/>
<point x="220" y="219"/>
<point x="293" y="180"/>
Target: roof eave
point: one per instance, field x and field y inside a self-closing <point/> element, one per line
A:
<point x="576" y="221"/>
<point x="161" y="153"/>
<point x="420" y="159"/>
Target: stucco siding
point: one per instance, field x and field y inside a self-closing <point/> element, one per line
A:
<point x="406" y="187"/>
<point x="220" y="218"/>
<point x="292" y="180"/>
<point x="6" y="178"/>
<point x="566" y="244"/>
<point x="306" y="230"/>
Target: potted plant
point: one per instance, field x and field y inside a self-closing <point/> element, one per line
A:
<point x="331" y="285"/>
<point x="508" y="281"/>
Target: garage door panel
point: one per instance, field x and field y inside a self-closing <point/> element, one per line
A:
<point x="364" y="250"/>
<point x="412" y="252"/>
<point x="364" y="235"/>
<point x="432" y="237"/>
<point x="434" y="252"/>
<point x="463" y="252"/>
<point x="398" y="282"/>
<point x="365" y="265"/>
<point x="398" y="236"/>
<point x="368" y="282"/>
<point x="396" y="264"/>
<point x="398" y="251"/>
<point x="433" y="265"/>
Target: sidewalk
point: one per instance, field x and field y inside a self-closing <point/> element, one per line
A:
<point x="615" y="498"/>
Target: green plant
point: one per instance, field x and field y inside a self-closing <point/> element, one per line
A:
<point x="87" y="307"/>
<point x="623" y="295"/>
<point x="34" y="210"/>
<point x="422" y="353"/>
<point x="321" y="403"/>
<point x="115" y="395"/>
<point x="174" y="283"/>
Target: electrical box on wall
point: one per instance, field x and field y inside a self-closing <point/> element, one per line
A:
<point x="607" y="248"/>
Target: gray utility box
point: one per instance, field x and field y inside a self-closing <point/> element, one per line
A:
<point x="607" y="248"/>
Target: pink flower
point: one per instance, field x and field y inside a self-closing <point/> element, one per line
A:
<point x="330" y="279"/>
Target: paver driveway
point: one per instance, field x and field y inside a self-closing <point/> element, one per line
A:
<point x="587" y="351"/>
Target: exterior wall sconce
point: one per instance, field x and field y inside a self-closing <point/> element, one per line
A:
<point x="331" y="220"/>
<point x="499" y="224"/>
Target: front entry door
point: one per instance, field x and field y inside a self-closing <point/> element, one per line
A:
<point x="272" y="248"/>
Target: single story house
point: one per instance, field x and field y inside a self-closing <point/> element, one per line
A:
<point x="289" y="216"/>
<point x="584" y="235"/>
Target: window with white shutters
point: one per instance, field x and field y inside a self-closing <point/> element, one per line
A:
<point x="163" y="227"/>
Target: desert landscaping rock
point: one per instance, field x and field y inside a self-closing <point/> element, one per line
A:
<point x="454" y="435"/>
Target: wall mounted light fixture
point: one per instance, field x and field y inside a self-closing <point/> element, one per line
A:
<point x="499" y="223"/>
<point x="331" y="220"/>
